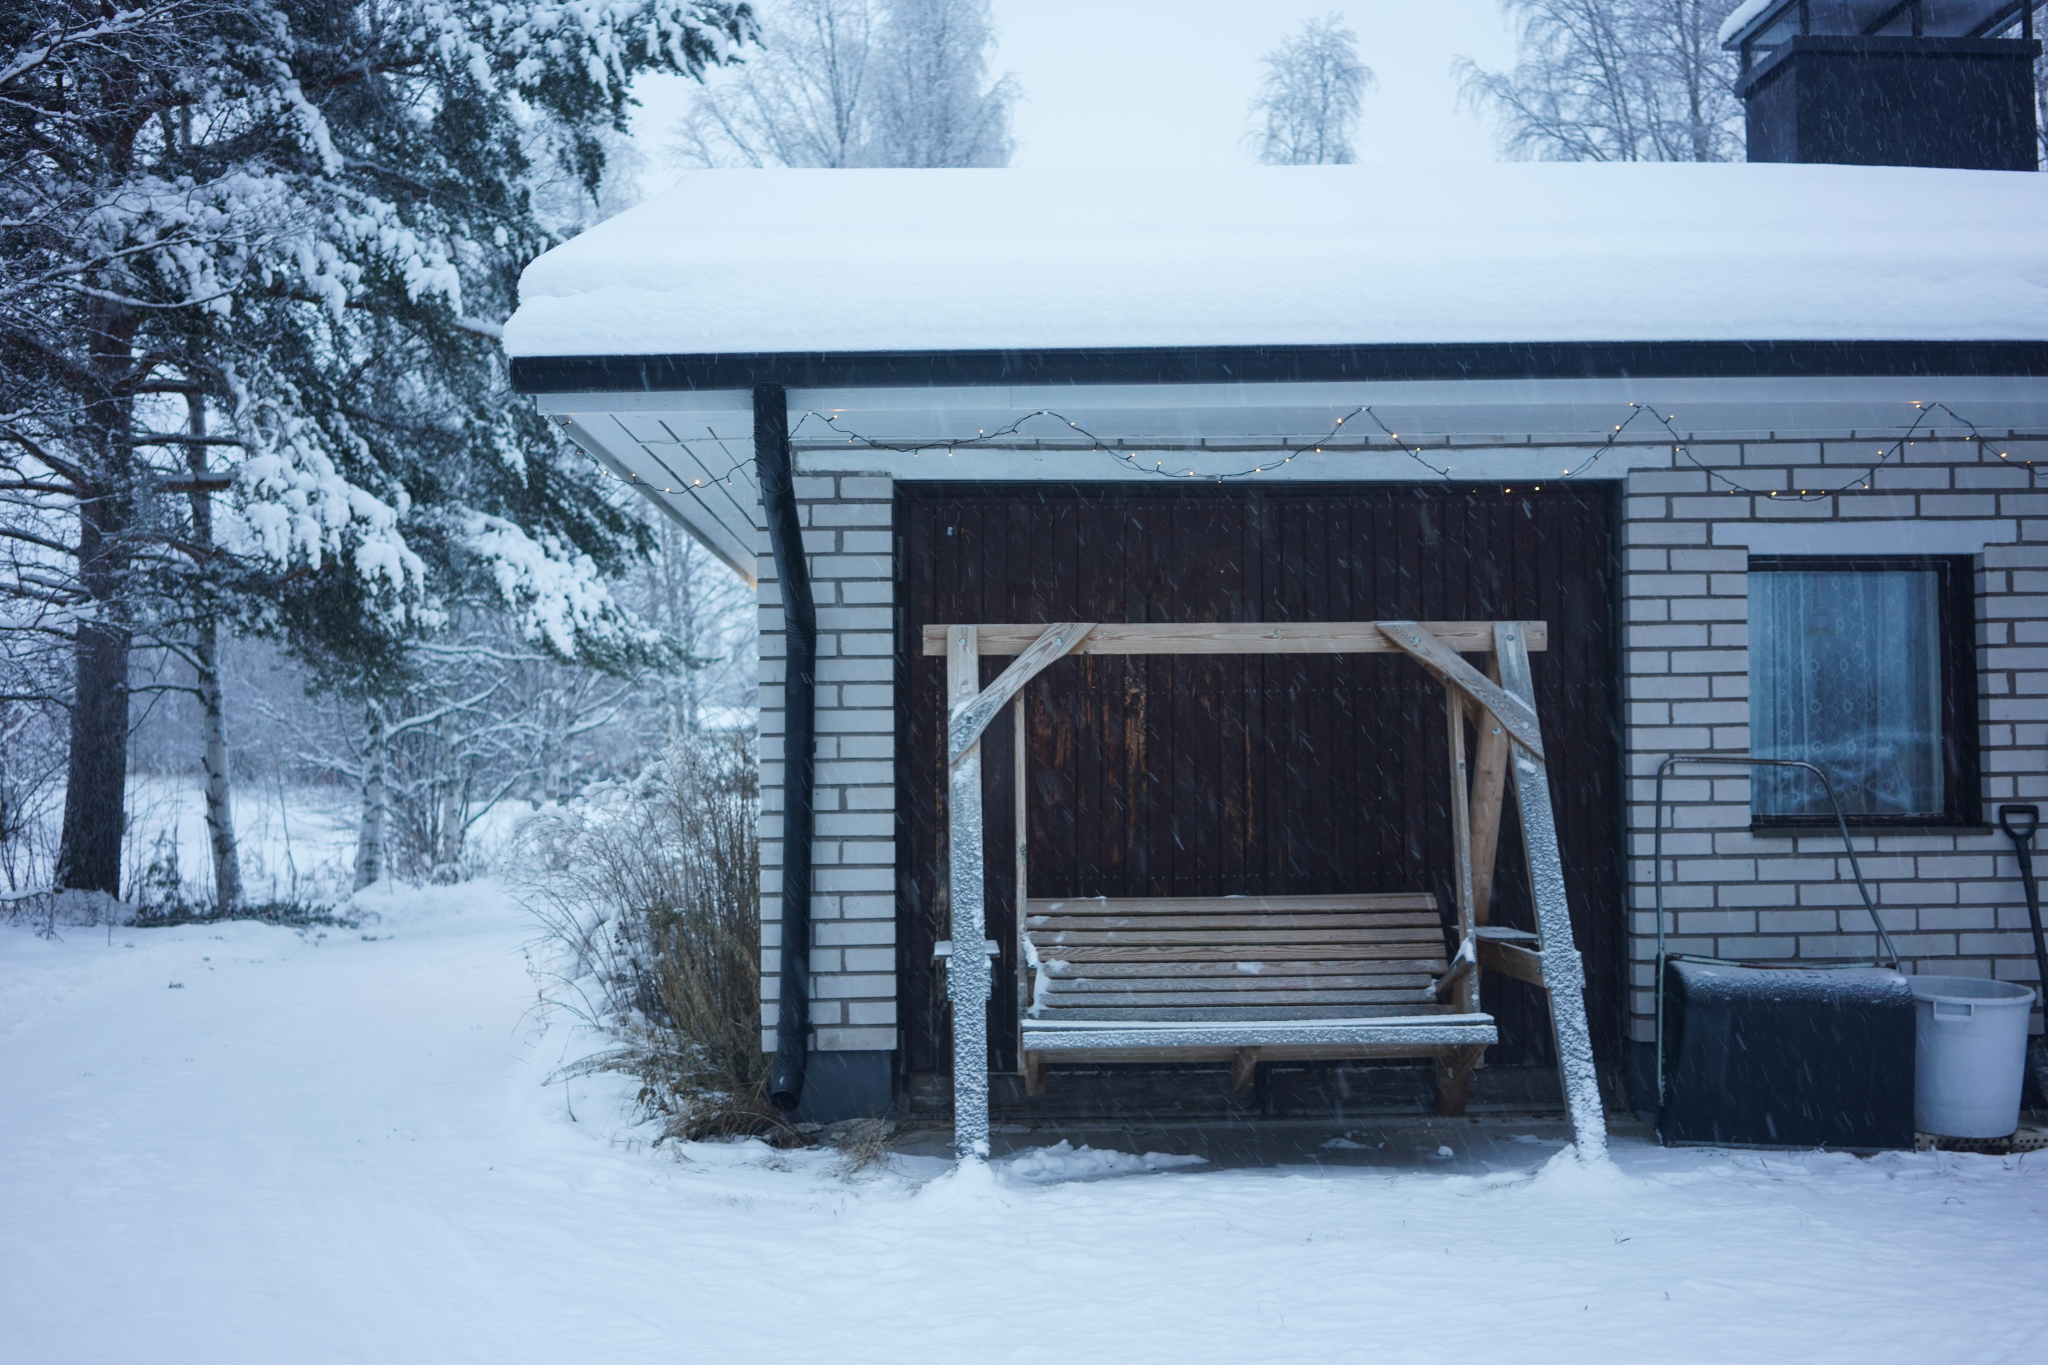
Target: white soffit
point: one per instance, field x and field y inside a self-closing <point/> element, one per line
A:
<point x="693" y="452"/>
<point x="1511" y="412"/>
<point x="697" y="466"/>
<point x="1397" y="431"/>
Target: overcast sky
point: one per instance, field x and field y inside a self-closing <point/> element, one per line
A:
<point x="1166" y="82"/>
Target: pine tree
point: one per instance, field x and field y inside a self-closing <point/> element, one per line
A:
<point x="301" y="220"/>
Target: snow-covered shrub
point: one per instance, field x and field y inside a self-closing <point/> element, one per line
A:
<point x="31" y="790"/>
<point x="649" y="890"/>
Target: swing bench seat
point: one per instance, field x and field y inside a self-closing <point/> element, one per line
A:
<point x="1243" y="980"/>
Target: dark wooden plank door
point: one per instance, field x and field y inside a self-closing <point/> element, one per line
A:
<point x="1234" y="775"/>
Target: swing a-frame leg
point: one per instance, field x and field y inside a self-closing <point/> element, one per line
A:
<point x="1509" y="705"/>
<point x="1564" y="972"/>
<point x="969" y="980"/>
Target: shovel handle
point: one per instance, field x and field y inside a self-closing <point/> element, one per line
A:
<point x="2019" y="822"/>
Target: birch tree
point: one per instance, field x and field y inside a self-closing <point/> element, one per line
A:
<point x="843" y="83"/>
<point x="1613" y="80"/>
<point x="485" y="718"/>
<point x="1308" y="105"/>
<point x="798" y="102"/>
<point x="934" y="104"/>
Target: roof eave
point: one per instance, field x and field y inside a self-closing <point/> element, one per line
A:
<point x="1380" y="362"/>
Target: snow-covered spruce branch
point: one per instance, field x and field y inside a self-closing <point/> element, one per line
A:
<point x="99" y="34"/>
<point x="184" y="199"/>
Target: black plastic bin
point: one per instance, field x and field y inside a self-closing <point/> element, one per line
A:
<point x="1783" y="1055"/>
<point x="1758" y="1057"/>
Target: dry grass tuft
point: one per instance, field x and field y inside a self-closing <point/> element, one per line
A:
<point x="861" y="1143"/>
<point x="651" y="894"/>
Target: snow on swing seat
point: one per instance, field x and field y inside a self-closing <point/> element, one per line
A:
<point x="1201" y="978"/>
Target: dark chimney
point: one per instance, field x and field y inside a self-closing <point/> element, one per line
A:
<point x="1889" y="82"/>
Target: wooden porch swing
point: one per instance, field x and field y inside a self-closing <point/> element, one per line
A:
<point x="1274" y="978"/>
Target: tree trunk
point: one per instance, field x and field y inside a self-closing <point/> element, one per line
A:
<point x="689" y="611"/>
<point x="370" y="833"/>
<point x="96" y="775"/>
<point x="220" y="816"/>
<point x="448" y="858"/>
<point x="551" y="770"/>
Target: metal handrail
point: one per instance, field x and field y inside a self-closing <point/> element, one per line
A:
<point x="1657" y="856"/>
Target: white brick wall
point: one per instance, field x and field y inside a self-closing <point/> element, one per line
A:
<point x="848" y="541"/>
<point x="1952" y="902"/>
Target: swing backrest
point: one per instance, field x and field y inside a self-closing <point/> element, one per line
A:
<point x="1235" y="957"/>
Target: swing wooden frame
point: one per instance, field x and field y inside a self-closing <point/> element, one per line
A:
<point x="1451" y="1029"/>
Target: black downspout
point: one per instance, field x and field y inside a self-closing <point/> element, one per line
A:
<point x="799" y="723"/>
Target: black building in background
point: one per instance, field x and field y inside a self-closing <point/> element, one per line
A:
<point x="1891" y="83"/>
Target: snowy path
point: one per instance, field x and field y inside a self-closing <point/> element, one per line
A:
<point x="341" y="1152"/>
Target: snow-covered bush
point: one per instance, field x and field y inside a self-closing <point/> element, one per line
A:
<point x="31" y="790"/>
<point x="649" y="893"/>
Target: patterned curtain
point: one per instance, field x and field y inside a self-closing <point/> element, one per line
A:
<point x="1845" y="672"/>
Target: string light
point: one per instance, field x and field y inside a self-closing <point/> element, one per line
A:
<point x="1924" y="412"/>
<point x="1097" y="444"/>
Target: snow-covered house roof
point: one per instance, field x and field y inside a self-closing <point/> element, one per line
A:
<point x="1514" y="305"/>
<point x="893" y="261"/>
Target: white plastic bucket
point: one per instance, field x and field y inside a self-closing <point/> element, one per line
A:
<point x="1970" y="1055"/>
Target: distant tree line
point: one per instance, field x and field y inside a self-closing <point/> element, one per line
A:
<point x="843" y="83"/>
<point x="1594" y="80"/>
<point x="1614" y="80"/>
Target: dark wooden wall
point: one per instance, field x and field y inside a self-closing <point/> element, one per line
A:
<point x="1234" y="775"/>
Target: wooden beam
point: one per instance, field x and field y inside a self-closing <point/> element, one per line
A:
<point x="1564" y="971"/>
<point x="1235" y="952"/>
<point x="1421" y="903"/>
<point x="1268" y="1052"/>
<point x="1315" y="637"/>
<point x="967" y="974"/>
<point x="1453" y="1079"/>
<point x="1461" y="853"/>
<point x="1489" y="797"/>
<point x="972" y="713"/>
<point x="1460" y="972"/>
<point x="1511" y="959"/>
<point x="1018" y="789"/>
<point x="1517" y="717"/>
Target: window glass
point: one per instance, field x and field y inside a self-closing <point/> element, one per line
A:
<point x="1845" y="670"/>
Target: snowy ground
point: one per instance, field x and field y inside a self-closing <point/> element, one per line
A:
<point x="340" y="1149"/>
<point x="297" y="842"/>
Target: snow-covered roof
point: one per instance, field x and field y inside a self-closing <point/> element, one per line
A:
<point x="936" y="260"/>
<point x="1740" y="18"/>
<point x="1938" y="18"/>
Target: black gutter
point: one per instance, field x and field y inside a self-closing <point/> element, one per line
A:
<point x="799" y="724"/>
<point x="1280" y="364"/>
